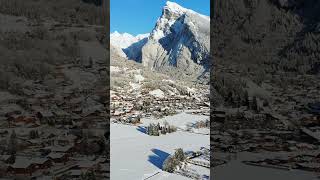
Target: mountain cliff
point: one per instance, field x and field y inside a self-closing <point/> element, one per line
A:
<point x="180" y="39"/>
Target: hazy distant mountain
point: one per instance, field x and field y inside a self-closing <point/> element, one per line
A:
<point x="124" y="40"/>
<point x="121" y="41"/>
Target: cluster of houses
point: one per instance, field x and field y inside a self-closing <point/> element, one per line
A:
<point x="53" y="162"/>
<point x="129" y="107"/>
<point x="238" y="130"/>
<point x="289" y="124"/>
<point x="289" y="131"/>
<point x="52" y="132"/>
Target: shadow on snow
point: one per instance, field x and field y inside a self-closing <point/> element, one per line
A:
<point x="142" y="129"/>
<point x="158" y="158"/>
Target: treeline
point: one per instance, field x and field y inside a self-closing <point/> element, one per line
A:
<point x="231" y="89"/>
<point x="157" y="129"/>
<point x="235" y="94"/>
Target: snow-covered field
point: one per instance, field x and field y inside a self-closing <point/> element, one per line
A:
<point x="136" y="156"/>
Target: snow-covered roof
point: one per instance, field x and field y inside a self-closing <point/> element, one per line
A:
<point x="157" y="93"/>
<point x="24" y="162"/>
<point x="55" y="155"/>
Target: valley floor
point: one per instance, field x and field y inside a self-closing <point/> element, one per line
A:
<point x="137" y="155"/>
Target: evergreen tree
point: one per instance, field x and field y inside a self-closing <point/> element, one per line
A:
<point x="254" y="103"/>
<point x="179" y="155"/>
<point x="12" y="145"/>
<point x="103" y="144"/>
<point x="246" y="99"/>
<point x="151" y="130"/>
<point x="156" y="131"/>
<point x="85" y="142"/>
<point x="90" y="175"/>
<point x="147" y="130"/>
<point x="169" y="164"/>
<point x="34" y="134"/>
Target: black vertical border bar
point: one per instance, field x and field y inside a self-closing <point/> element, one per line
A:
<point x="106" y="17"/>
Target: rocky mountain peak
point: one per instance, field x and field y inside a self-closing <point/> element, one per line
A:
<point x="174" y="8"/>
<point x="170" y="14"/>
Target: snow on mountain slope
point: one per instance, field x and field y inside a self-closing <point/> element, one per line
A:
<point x="117" y="50"/>
<point x="171" y="12"/>
<point x="180" y="41"/>
<point x="124" y="40"/>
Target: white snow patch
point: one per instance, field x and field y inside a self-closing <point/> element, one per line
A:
<point x="174" y="7"/>
<point x="191" y="90"/>
<point x="138" y="78"/>
<point x="115" y="69"/>
<point x="135" y="86"/>
<point x="125" y="40"/>
<point x="168" y="80"/>
<point x="157" y="93"/>
<point x="165" y="23"/>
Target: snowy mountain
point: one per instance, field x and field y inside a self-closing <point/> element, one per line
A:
<point x="124" y="40"/>
<point x="121" y="41"/>
<point x="179" y="42"/>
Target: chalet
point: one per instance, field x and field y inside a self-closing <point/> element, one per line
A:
<point x="65" y="139"/>
<point x="19" y="119"/>
<point x="27" y="166"/>
<point x="13" y="113"/>
<point x="73" y="174"/>
<point x="58" y="157"/>
<point x="44" y="115"/>
<point x="92" y="110"/>
<point x="61" y="114"/>
<point x="118" y="113"/>
<point x="41" y="163"/>
<point x="87" y="165"/>
<point x="24" y="167"/>
<point x="8" y="159"/>
<point x="61" y="149"/>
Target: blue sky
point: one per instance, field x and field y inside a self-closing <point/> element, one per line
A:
<point x="139" y="16"/>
